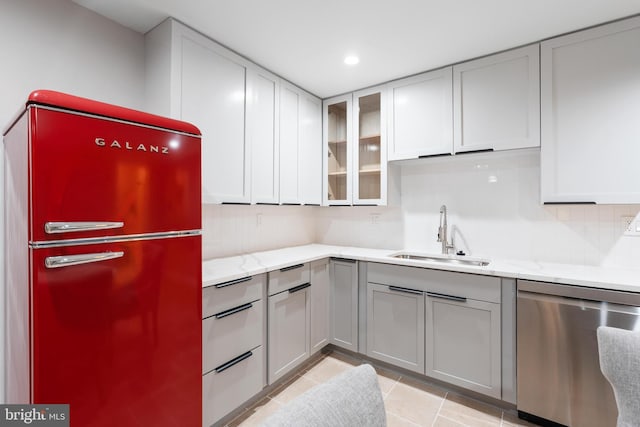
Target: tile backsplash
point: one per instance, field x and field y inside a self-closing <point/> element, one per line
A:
<point x="494" y="210"/>
<point x="229" y="230"/>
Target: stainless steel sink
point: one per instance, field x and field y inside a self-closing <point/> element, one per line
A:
<point x="450" y="259"/>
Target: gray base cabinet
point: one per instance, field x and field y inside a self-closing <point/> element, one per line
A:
<point x="454" y="327"/>
<point x="319" y="305"/>
<point x="344" y="303"/>
<point x="454" y="337"/>
<point x="395" y="326"/>
<point x="463" y="343"/>
<point x="289" y="319"/>
<point x="233" y="356"/>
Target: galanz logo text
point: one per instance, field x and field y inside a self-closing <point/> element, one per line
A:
<point x="126" y="145"/>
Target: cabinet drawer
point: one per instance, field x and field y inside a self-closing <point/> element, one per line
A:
<point x="226" y="295"/>
<point x="226" y="389"/>
<point x="231" y="332"/>
<point x="464" y="285"/>
<point x="288" y="277"/>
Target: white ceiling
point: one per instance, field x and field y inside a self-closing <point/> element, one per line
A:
<point x="306" y="41"/>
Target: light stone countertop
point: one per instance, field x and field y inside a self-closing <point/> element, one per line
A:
<point x="224" y="269"/>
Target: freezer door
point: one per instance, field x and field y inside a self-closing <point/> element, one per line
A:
<point x="118" y="336"/>
<point x="94" y="176"/>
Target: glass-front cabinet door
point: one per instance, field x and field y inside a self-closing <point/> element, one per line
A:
<point x="337" y="137"/>
<point x="370" y="154"/>
<point x="355" y="146"/>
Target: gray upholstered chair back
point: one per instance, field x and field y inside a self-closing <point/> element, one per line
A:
<point x="351" y="399"/>
<point x="620" y="363"/>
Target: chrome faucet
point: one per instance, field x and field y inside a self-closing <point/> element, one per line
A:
<point x="442" y="231"/>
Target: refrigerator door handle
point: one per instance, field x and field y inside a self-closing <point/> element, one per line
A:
<point x="68" y="260"/>
<point x="69" y="227"/>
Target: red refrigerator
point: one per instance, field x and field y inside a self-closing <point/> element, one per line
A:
<point x="103" y="263"/>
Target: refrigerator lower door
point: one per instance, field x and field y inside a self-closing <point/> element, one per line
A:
<point x="118" y="335"/>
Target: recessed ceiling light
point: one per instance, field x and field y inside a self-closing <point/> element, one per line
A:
<point x="351" y="60"/>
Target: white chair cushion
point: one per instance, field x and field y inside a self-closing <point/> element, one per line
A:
<point x="350" y="399"/>
<point x="620" y="363"/>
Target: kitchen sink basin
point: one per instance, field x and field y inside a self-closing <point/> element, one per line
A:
<point x="444" y="259"/>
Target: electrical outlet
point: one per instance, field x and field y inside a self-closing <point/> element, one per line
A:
<point x="259" y="219"/>
<point x="375" y="218"/>
<point x="630" y="225"/>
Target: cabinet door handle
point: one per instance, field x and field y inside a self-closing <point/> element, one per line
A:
<point x="484" y="150"/>
<point x="299" y="288"/>
<point x="426" y="156"/>
<point x="570" y="203"/>
<point x="69" y="260"/>
<point x="233" y="362"/>
<point x="405" y="290"/>
<point x="234" y="311"/>
<point x="292" y="267"/>
<point x="233" y="282"/>
<point x="444" y="296"/>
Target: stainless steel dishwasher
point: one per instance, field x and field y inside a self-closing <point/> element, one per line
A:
<point x="559" y="376"/>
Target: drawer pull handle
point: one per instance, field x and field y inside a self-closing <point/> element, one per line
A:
<point x="352" y="261"/>
<point x="234" y="311"/>
<point x="292" y="267"/>
<point x="233" y="282"/>
<point x="299" y="288"/>
<point x="444" y="296"/>
<point x="233" y="362"/>
<point x="405" y="290"/>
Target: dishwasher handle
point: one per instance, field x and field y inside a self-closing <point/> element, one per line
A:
<point x="578" y="302"/>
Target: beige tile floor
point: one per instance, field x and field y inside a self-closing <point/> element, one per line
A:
<point x="408" y="402"/>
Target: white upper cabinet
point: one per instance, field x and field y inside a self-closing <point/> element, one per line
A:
<point x="300" y="147"/>
<point x="263" y="91"/>
<point x="590" y="95"/>
<point x="236" y="106"/>
<point x="310" y="150"/>
<point x="216" y="106"/>
<point x="370" y="148"/>
<point x="289" y="145"/>
<point x="338" y="143"/>
<point x="421" y="117"/>
<point x="191" y="78"/>
<point x="496" y="101"/>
